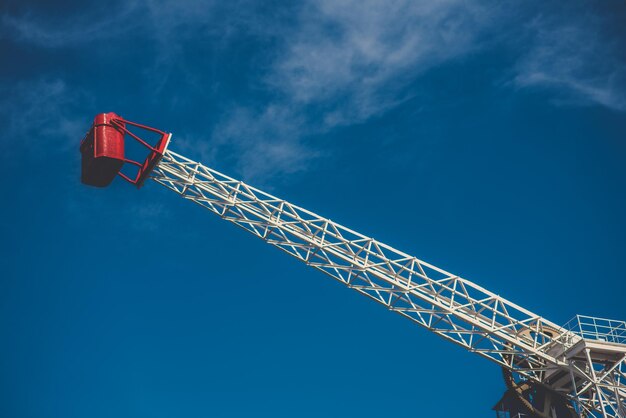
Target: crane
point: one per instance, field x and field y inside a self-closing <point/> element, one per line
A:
<point x="550" y="371"/>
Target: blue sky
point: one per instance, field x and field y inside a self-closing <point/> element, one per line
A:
<point x="486" y="139"/>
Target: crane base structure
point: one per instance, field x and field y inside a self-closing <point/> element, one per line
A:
<point x="550" y="371"/>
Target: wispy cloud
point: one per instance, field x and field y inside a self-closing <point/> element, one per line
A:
<point x="263" y="143"/>
<point x="576" y="61"/>
<point x="367" y="51"/>
<point x="328" y="64"/>
<point x="49" y="108"/>
<point x="74" y="30"/>
<point x="159" y="20"/>
<point x="40" y="113"/>
<point x="343" y="63"/>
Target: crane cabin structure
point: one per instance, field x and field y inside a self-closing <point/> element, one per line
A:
<point x="550" y="370"/>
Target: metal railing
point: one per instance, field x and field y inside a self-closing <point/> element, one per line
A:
<point x="600" y="329"/>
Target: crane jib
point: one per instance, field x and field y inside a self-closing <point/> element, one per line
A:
<point x="550" y="371"/>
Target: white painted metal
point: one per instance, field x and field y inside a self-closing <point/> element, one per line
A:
<point x="458" y="310"/>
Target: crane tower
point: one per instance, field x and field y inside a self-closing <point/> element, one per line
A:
<point x="550" y="371"/>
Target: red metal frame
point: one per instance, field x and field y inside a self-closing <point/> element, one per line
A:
<point x="156" y="152"/>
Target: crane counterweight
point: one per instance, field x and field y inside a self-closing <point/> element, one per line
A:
<point x="102" y="151"/>
<point x="103" y="156"/>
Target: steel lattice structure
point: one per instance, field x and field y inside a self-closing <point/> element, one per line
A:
<point x="590" y="372"/>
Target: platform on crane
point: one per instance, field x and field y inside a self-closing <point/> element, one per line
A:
<point x="599" y="329"/>
<point x="594" y="350"/>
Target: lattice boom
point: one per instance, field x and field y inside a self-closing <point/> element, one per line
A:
<point x="444" y="303"/>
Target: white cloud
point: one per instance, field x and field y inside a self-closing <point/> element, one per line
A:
<point x="576" y="61"/>
<point x="367" y="51"/>
<point x="341" y="63"/>
<point x="336" y="62"/>
<point x="39" y="112"/>
<point x="72" y="31"/>
<point x="262" y="143"/>
<point x="158" y="20"/>
<point x="332" y="63"/>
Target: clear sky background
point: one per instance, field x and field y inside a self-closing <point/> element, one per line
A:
<point x="487" y="139"/>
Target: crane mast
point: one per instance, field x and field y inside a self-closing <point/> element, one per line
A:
<point x="551" y="371"/>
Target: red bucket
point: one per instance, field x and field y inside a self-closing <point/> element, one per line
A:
<point x="102" y="151"/>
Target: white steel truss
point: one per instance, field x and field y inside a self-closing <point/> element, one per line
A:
<point x="446" y="304"/>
